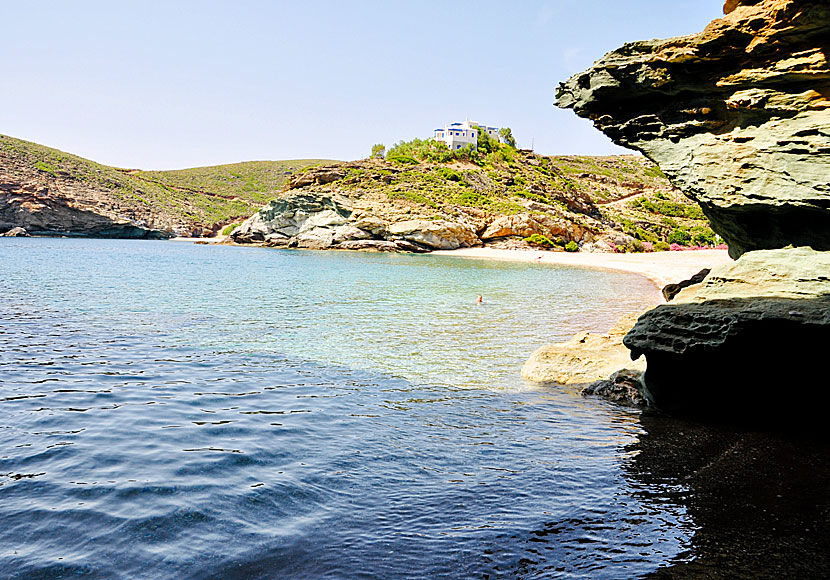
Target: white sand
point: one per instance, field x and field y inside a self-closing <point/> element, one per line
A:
<point x="660" y="267"/>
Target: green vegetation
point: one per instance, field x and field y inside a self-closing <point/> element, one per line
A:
<point x="46" y="168"/>
<point x="226" y="231"/>
<point x="203" y="196"/>
<point x="378" y="151"/>
<point x="539" y="240"/>
<point x="694" y="236"/>
<point x="669" y="208"/>
<point x="506" y="135"/>
<point x="571" y="246"/>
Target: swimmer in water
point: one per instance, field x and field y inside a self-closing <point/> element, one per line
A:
<point x="479" y="299"/>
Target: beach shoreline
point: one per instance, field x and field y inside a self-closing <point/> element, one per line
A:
<point x="661" y="268"/>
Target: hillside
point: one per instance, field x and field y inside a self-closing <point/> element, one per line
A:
<point x="51" y="192"/>
<point x="422" y="197"/>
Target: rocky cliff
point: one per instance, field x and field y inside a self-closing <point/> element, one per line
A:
<point x="505" y="198"/>
<point x="738" y="117"/>
<point x="49" y="192"/>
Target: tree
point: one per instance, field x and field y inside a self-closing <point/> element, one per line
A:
<point x="485" y="142"/>
<point x="507" y="136"/>
<point x="378" y="151"/>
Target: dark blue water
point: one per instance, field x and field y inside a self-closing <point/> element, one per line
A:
<point x="180" y="411"/>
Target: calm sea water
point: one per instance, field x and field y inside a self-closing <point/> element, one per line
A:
<point x="181" y="411"/>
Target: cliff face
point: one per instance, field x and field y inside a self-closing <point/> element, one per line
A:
<point x="50" y="192"/>
<point x="738" y="117"/>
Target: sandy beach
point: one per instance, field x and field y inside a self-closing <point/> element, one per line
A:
<point x="660" y="267"/>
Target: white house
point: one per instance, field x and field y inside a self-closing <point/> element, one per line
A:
<point x="457" y="135"/>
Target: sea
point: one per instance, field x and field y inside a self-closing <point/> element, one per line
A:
<point x="174" y="411"/>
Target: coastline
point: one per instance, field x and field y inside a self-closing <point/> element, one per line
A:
<point x="660" y="267"/>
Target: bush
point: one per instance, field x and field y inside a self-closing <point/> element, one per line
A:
<point x="571" y="247"/>
<point x="703" y="236"/>
<point x="539" y="240"/>
<point x="680" y="236"/>
<point x="661" y="247"/>
<point x="226" y="231"/>
<point x="378" y="151"/>
<point x="403" y="159"/>
<point x="449" y="174"/>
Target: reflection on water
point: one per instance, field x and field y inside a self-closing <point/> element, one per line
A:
<point x="760" y="502"/>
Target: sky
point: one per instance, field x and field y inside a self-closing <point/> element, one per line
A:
<point x="172" y="84"/>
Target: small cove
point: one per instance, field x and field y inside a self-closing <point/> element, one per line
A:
<point x="178" y="411"/>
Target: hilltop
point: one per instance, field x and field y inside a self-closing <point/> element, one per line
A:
<point x="423" y="196"/>
<point x="497" y="195"/>
<point x="47" y="191"/>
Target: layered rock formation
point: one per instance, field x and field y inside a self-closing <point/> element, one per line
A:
<point x="738" y="117"/>
<point x="748" y="343"/>
<point x="41" y="210"/>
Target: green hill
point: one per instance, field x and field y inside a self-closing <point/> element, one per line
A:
<point x="49" y="191"/>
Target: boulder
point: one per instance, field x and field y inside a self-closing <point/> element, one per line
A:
<point x="17" y="232"/>
<point x="737" y="116"/>
<point x="437" y="234"/>
<point x="586" y="358"/>
<point x="747" y="343"/>
<point x="624" y="388"/>
<point x="525" y="224"/>
<point x="309" y="216"/>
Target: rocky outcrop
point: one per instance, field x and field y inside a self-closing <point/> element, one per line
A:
<point x="738" y="117"/>
<point x="438" y="234"/>
<point x="586" y="358"/>
<point x="16" y="233"/>
<point x="308" y="218"/>
<point x="624" y="387"/>
<point x="738" y="344"/>
<point x="42" y="210"/>
<point x="525" y="224"/>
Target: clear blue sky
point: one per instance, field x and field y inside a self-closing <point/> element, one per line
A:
<point x="169" y="84"/>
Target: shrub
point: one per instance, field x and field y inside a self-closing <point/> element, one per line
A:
<point x="679" y="236"/>
<point x="703" y="236"/>
<point x="539" y="240"/>
<point x="661" y="247"/>
<point x="46" y="168"/>
<point x="571" y="246"/>
<point x="449" y="174"/>
<point x="378" y="151"/>
<point x="402" y="159"/>
<point x="226" y="231"/>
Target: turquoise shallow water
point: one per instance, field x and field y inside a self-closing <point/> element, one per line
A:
<point x="182" y="411"/>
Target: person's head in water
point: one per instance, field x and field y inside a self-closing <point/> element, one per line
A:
<point x="479" y="299"/>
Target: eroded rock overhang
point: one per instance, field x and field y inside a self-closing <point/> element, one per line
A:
<point x="738" y="117"/>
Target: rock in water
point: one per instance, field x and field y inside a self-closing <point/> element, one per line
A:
<point x="748" y="343"/>
<point x="586" y="358"/>
<point x="738" y="117"/>
<point x="17" y="232"/>
<point x="624" y="387"/>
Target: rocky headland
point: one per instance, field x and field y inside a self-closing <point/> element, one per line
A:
<point x="49" y="192"/>
<point x="738" y="117"/>
<point x="509" y="199"/>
